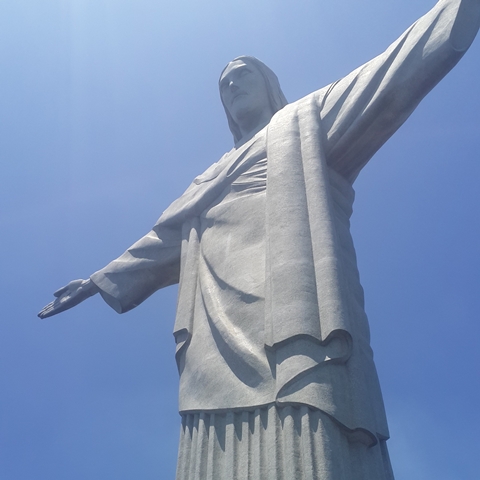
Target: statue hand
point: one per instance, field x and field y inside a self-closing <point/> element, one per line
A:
<point x="67" y="297"/>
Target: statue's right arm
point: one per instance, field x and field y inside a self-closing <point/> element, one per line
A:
<point x="148" y="265"/>
<point x="151" y="263"/>
<point x="69" y="296"/>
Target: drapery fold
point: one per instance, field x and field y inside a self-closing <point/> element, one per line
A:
<point x="314" y="315"/>
<point x="305" y="288"/>
<point x="273" y="443"/>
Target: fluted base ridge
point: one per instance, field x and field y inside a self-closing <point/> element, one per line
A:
<point x="274" y="443"/>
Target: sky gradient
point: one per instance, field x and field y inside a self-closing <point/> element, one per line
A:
<point x="108" y="110"/>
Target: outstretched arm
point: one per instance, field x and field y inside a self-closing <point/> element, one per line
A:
<point x="148" y="265"/>
<point x="151" y="263"/>
<point x="69" y="296"/>
<point x="363" y="109"/>
<point x="466" y="24"/>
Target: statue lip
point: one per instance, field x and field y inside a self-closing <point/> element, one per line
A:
<point x="237" y="95"/>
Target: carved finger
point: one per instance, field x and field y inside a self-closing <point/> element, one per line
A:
<point x="45" y="310"/>
<point x="60" y="291"/>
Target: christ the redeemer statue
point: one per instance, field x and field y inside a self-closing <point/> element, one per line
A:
<point x="277" y="379"/>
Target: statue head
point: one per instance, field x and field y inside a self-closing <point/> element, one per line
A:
<point x="250" y="91"/>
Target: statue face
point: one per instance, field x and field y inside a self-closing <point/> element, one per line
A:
<point x="244" y="92"/>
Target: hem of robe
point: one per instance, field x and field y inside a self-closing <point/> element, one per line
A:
<point x="275" y="443"/>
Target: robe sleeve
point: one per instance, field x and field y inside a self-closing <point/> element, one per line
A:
<point x="362" y="110"/>
<point x="148" y="265"/>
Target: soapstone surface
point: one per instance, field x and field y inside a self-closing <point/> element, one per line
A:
<point x="270" y="320"/>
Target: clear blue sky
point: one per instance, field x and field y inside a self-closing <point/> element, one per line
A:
<point x="108" y="109"/>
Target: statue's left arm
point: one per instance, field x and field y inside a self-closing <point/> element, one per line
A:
<point x="362" y="110"/>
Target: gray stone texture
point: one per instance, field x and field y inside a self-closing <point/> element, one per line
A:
<point x="270" y="309"/>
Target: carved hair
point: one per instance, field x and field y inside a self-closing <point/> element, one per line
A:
<point x="275" y="95"/>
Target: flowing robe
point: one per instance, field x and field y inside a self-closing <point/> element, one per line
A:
<point x="270" y="307"/>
